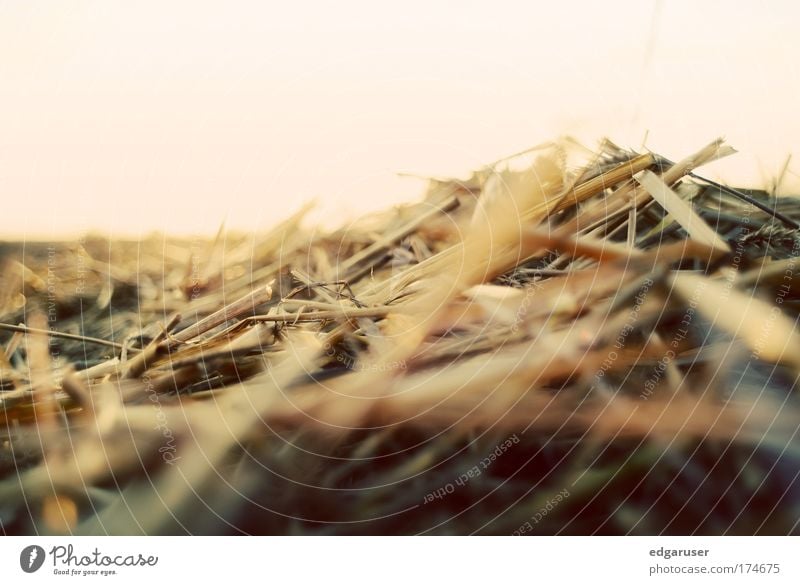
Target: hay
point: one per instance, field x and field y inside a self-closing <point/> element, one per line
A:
<point x="567" y="342"/>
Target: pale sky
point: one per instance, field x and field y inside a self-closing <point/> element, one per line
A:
<point x="126" y="117"/>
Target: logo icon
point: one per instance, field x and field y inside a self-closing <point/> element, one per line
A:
<point x="31" y="558"/>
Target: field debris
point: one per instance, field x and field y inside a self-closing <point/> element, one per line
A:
<point x="623" y="328"/>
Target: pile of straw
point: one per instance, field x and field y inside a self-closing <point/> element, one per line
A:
<point x="567" y="342"/>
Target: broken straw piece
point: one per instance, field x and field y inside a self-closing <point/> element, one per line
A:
<point x="681" y="211"/>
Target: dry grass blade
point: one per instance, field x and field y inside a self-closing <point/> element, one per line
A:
<point x="236" y="309"/>
<point x="59" y="334"/>
<point x="681" y="211"/>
